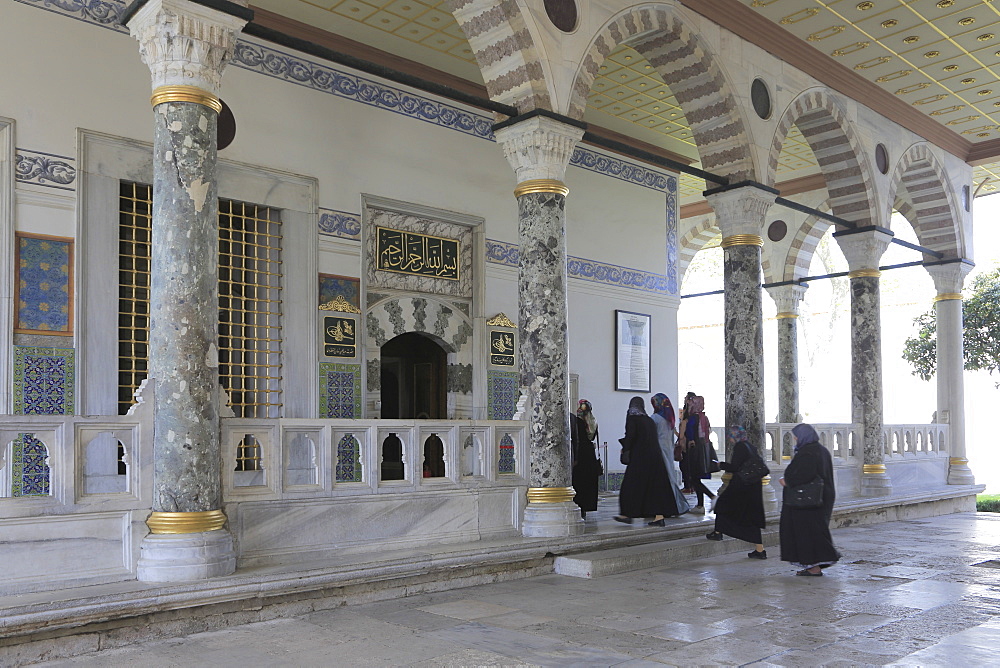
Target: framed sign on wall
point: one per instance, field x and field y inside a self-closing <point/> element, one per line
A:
<point x="632" y="351"/>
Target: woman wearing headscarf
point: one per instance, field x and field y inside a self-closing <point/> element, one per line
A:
<point x="585" y="411"/>
<point x="805" y="532"/>
<point x="645" y="489"/>
<point x="586" y="468"/>
<point x="666" y="433"/>
<point x="696" y="433"/>
<point x="739" y="511"/>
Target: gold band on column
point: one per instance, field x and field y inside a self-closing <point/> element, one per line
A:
<point x="958" y="461"/>
<point x="541" y="186"/>
<point x="742" y="240"/>
<point x="786" y="314"/>
<point x="948" y="296"/>
<point x="864" y="273"/>
<point x="193" y="522"/>
<point x="186" y="94"/>
<point x="550" y="494"/>
<point x="726" y="477"/>
<point x="765" y="481"/>
<point x="873" y="468"/>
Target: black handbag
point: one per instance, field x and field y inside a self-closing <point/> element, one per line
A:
<point x="713" y="459"/>
<point x="754" y="469"/>
<point x="807" y="495"/>
<point x="624" y="458"/>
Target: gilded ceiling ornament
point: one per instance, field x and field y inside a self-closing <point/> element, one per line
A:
<point x="890" y="23"/>
<point x="945" y="4"/>
<point x="826" y="32"/>
<point x="985" y="37"/>
<point x="948" y="110"/>
<point x="983" y="134"/>
<point x="865" y="6"/>
<point x="895" y="75"/>
<point x="762" y="3"/>
<point x="968" y="80"/>
<point x="340" y="305"/>
<point x="986" y="91"/>
<point x="932" y="54"/>
<point x="913" y="88"/>
<point x="801" y="15"/>
<point x="965" y="119"/>
<point x="874" y="62"/>
<point x="981" y="128"/>
<point x="932" y="98"/>
<point x="912" y="39"/>
<point x="967" y="21"/>
<point x="950" y="68"/>
<point x="996" y="104"/>
<point x="501" y="320"/>
<point x="847" y="50"/>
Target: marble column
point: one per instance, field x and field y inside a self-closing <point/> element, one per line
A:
<point x="948" y="280"/>
<point x="863" y="248"/>
<point x="539" y="150"/>
<point x="739" y="212"/>
<point x="186" y="46"/>
<point x="787" y="298"/>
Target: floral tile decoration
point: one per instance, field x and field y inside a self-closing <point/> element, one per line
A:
<point x="501" y="394"/>
<point x="331" y="286"/>
<point x="339" y="390"/>
<point x="507" y="462"/>
<point x="44" y="285"/>
<point x="348" y="459"/>
<point x="30" y="469"/>
<point x="44" y="381"/>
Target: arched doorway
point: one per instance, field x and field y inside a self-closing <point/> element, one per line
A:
<point x="414" y="378"/>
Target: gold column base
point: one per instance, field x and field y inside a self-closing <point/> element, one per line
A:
<point x="726" y="477"/>
<point x="541" y="186"/>
<point x="864" y="273"/>
<point x="193" y="522"/>
<point x="786" y="458"/>
<point x="766" y="480"/>
<point x="958" y="461"/>
<point x="550" y="494"/>
<point x="948" y="296"/>
<point x="785" y="315"/>
<point x="742" y="240"/>
<point x="186" y="94"/>
<point x="873" y="468"/>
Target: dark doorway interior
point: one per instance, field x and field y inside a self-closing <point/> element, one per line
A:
<point x="414" y="378"/>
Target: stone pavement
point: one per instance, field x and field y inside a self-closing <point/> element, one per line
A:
<point x="910" y="593"/>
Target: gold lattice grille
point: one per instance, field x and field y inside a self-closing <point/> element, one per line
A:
<point x="134" y="216"/>
<point x="249" y="301"/>
<point x="250" y="307"/>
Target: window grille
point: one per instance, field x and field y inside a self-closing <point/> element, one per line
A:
<point x="249" y="301"/>
<point x="248" y="454"/>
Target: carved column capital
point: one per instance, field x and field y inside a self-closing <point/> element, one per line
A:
<point x="184" y="43"/>
<point x="949" y="278"/>
<point x="539" y="148"/>
<point x="863" y="250"/>
<point x="787" y="298"/>
<point x="740" y="211"/>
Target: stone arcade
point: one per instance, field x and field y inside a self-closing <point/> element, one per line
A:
<point x="357" y="328"/>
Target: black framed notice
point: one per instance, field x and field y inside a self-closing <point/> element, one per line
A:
<point x="501" y="348"/>
<point x="632" y="351"/>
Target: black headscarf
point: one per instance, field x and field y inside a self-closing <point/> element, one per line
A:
<point x="804" y="434"/>
<point x="637" y="406"/>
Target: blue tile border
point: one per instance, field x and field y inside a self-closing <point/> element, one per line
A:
<point x="340" y="224"/>
<point x="45" y="169"/>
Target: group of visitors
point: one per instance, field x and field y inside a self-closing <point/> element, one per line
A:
<point x="650" y="490"/>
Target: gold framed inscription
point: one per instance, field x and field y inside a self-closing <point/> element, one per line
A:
<point x="502" y="348"/>
<point x="340" y="336"/>
<point x="417" y="254"/>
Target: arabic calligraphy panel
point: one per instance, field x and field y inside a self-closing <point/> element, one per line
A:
<point x="417" y="254"/>
<point x="502" y="348"/>
<point x="340" y="336"/>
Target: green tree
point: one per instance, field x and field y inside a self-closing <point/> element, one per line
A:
<point x="981" y="315"/>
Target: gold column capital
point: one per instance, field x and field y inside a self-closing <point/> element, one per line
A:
<point x="192" y="522"/>
<point x="786" y="314"/>
<point x="742" y="240"/>
<point x="186" y="94"/>
<point x="550" y="494"/>
<point x="873" y="469"/>
<point x="541" y="186"/>
<point x="864" y="273"/>
<point x="948" y="296"/>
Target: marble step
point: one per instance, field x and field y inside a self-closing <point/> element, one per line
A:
<point x="653" y="555"/>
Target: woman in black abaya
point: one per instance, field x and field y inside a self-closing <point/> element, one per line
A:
<point x="645" y="489"/>
<point x="805" y="532"/>
<point x="739" y="511"/>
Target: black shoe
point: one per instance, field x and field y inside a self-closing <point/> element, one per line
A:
<point x="758" y="555"/>
<point x="715" y="535"/>
<point x="656" y="523"/>
<point x="806" y="572"/>
<point x="622" y="519"/>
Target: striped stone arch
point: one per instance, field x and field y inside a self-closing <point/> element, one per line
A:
<point x="693" y="240"/>
<point x="828" y="130"/>
<point x="920" y="191"/>
<point x="802" y="249"/>
<point x="444" y="323"/>
<point x="687" y="66"/>
<point x="504" y="51"/>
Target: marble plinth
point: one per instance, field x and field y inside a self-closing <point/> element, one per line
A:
<point x="186" y="557"/>
<point x="552" y="520"/>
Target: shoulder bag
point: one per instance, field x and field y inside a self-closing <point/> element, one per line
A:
<point x="807" y="495"/>
<point x="713" y="459"/>
<point x="754" y="469"/>
<point x="624" y="458"/>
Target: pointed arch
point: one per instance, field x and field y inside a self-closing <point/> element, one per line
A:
<point x="505" y="52"/>
<point x="827" y="128"/>
<point x="803" y="247"/>
<point x="921" y="192"/>
<point x="697" y="236"/>
<point x="688" y="67"/>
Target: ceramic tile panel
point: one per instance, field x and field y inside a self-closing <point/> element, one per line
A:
<point x="44" y="381"/>
<point x="339" y="390"/>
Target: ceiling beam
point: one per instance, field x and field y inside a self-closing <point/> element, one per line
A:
<point x="803" y="184"/>
<point x="759" y="30"/>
